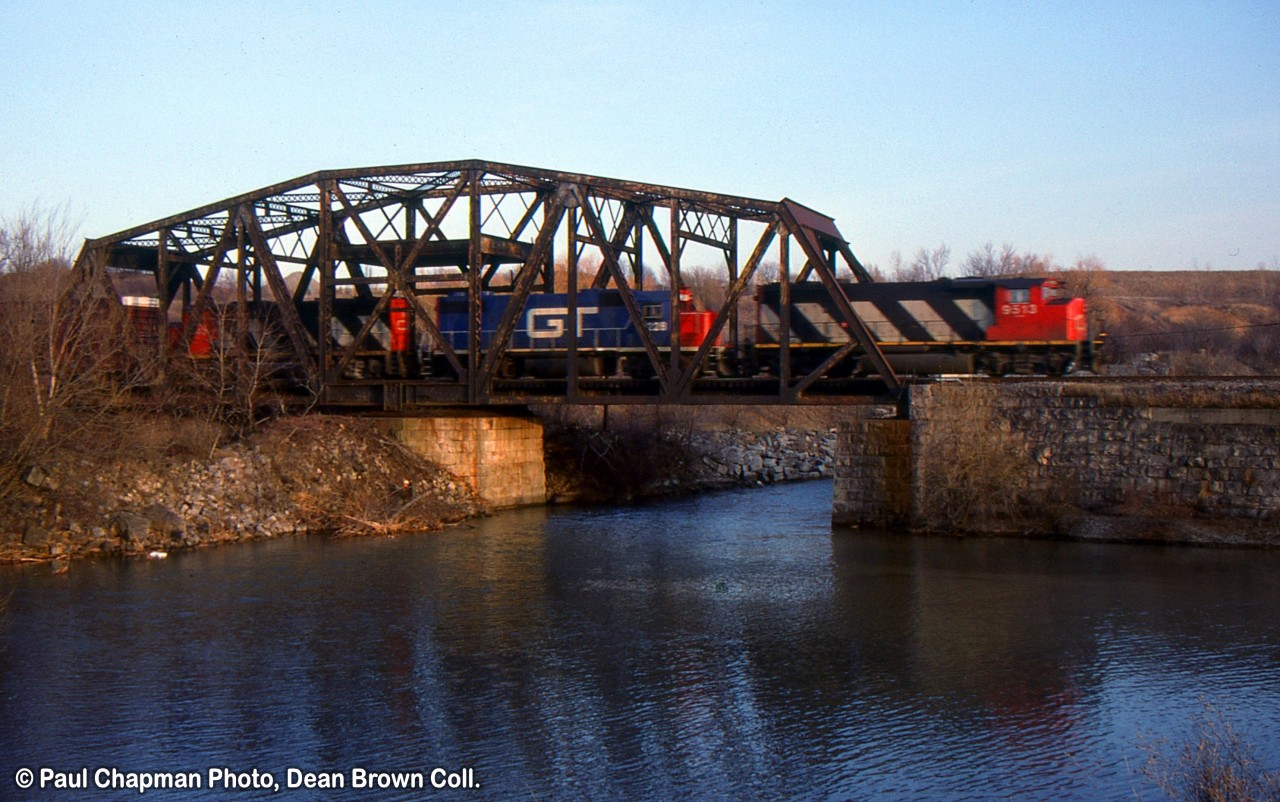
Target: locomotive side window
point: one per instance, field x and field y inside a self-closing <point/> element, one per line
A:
<point x="653" y="319"/>
<point x="1020" y="296"/>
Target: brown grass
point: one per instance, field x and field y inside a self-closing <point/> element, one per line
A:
<point x="975" y="470"/>
<point x="1204" y="322"/>
<point x="1214" y="765"/>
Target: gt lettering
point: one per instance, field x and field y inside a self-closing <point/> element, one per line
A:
<point x="549" y="323"/>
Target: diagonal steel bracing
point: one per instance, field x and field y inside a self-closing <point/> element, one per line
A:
<point x="434" y="232"/>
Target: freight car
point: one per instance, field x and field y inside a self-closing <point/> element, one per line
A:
<point x="996" y="326"/>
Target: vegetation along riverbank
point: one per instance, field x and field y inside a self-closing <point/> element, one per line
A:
<point x="145" y="485"/>
<point x="175" y="487"/>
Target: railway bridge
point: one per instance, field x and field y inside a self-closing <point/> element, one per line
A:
<point x="473" y="283"/>
<point x="448" y="296"/>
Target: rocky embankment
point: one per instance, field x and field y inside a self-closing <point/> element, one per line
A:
<point x="592" y="466"/>
<point x="343" y="475"/>
<point x="765" y="457"/>
<point x="294" y="476"/>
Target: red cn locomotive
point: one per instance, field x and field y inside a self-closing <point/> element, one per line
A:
<point x="965" y="325"/>
<point x="1036" y="310"/>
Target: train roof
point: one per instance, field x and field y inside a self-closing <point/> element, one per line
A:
<point x="1011" y="282"/>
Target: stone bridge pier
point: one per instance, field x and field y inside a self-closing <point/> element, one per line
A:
<point x="873" y="473"/>
<point x="497" y="451"/>
<point x="1194" y="452"/>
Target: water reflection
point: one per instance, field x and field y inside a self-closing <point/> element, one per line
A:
<point x="727" y="647"/>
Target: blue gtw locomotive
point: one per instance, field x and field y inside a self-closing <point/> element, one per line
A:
<point x="608" y="342"/>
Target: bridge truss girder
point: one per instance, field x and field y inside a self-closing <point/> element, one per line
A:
<point x="425" y="230"/>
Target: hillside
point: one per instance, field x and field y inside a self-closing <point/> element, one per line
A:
<point x="1188" y="322"/>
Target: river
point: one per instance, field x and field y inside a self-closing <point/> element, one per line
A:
<point x="730" y="646"/>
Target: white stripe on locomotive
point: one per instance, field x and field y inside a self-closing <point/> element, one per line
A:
<point x="829" y="329"/>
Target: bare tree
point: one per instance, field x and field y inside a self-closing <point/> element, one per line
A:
<point x="767" y="273"/>
<point x="876" y="273"/>
<point x="78" y="353"/>
<point x="69" y="357"/>
<point x="985" y="261"/>
<point x="981" y="262"/>
<point x="235" y="373"/>
<point x="1086" y="277"/>
<point x="896" y="267"/>
<point x="709" y="285"/>
<point x="1036" y="264"/>
<point x="35" y="238"/>
<point x="927" y="265"/>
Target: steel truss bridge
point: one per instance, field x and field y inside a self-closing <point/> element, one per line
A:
<point x="423" y="231"/>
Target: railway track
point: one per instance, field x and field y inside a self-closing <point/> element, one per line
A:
<point x="1107" y="379"/>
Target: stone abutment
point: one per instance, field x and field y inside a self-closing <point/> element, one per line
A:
<point x="498" y="453"/>
<point x="1102" y="460"/>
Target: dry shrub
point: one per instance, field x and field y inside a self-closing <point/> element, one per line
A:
<point x="1215" y="765"/>
<point x="1207" y="363"/>
<point x="974" y="469"/>
<point x="1209" y="322"/>
<point x="70" y="362"/>
<point x="156" y="436"/>
<point x="70" y="357"/>
<point x="360" y="508"/>
<point x="349" y="478"/>
<point x="640" y="451"/>
<point x="1187" y="316"/>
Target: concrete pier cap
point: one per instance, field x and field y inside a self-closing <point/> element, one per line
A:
<point x="496" y="450"/>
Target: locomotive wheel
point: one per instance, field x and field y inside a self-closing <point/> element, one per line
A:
<point x="726" y="367"/>
<point x="995" y="364"/>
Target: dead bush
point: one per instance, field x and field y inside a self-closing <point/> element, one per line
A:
<point x="1202" y="322"/>
<point x="975" y="470"/>
<point x="70" y="357"/>
<point x="152" y="436"/>
<point x="633" y="453"/>
<point x="1214" y="765"/>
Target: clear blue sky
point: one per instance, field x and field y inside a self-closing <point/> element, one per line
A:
<point x="1147" y="134"/>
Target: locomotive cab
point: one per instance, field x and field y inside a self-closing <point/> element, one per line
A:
<point x="1037" y="310"/>
<point x="694" y="325"/>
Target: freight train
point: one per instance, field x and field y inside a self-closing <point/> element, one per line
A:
<point x="995" y="326"/>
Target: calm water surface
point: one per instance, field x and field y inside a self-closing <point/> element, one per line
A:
<point x="725" y="647"/>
